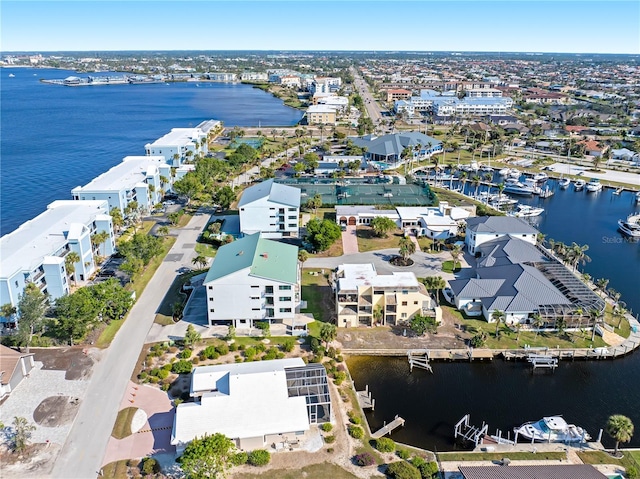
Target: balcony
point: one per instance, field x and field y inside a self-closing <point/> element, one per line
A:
<point x="347" y="298"/>
<point x="365" y="301"/>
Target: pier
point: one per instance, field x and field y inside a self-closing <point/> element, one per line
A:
<point x="365" y="400"/>
<point x="387" y="428"/>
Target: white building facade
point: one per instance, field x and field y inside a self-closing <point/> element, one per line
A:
<point x="481" y="229"/>
<point x="270" y="208"/>
<point x="179" y="145"/>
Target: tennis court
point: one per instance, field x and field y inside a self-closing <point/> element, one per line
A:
<point x="253" y="142"/>
<point x="364" y="194"/>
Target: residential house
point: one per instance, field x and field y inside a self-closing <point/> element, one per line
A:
<point x="253" y="279"/>
<point x="256" y="404"/>
<point x="14" y="367"/>
<point x="36" y="251"/>
<point x="366" y="298"/>
<point x="593" y="148"/>
<point x="142" y="179"/>
<point x="270" y="208"/>
<point x="481" y="229"/>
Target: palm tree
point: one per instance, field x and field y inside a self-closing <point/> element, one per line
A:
<point x="70" y="261"/>
<point x="620" y="428"/>
<point x="200" y="260"/>
<point x="538" y="322"/>
<point x="576" y="255"/>
<point x="498" y="316"/>
<point x="475" y="180"/>
<point x="620" y="313"/>
<point x="303" y="256"/>
<point x="596" y="317"/>
<point x="434" y="283"/>
<point x="455" y="252"/>
<point x="602" y="284"/>
<point x="377" y="315"/>
<point x="463" y="179"/>
<point x="407" y="248"/>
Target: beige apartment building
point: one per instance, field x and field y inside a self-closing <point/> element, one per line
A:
<point x="366" y="298"/>
<point x="321" y="114"/>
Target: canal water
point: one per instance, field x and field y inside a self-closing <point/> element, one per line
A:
<point x="506" y="394"/>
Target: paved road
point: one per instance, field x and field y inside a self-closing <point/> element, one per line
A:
<point x="370" y="103"/>
<point x="83" y="452"/>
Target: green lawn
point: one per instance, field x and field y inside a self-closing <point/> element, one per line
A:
<point x="630" y="458"/>
<point x="316" y="292"/>
<point x="206" y="250"/>
<point x="368" y="241"/>
<point x="315" y="471"/>
<point x="122" y="427"/>
<point x="447" y="266"/>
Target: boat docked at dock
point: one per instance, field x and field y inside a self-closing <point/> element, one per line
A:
<point x="528" y="188"/>
<point x="594" y="185"/>
<point x="564" y="183"/>
<point x="526" y="211"/>
<point x="630" y="226"/>
<point x="540" y="177"/>
<point x="552" y="429"/>
<point x="579" y="185"/>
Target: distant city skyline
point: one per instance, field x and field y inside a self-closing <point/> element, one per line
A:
<point x="544" y="26"/>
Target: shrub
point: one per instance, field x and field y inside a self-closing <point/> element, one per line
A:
<point x="261" y="347"/>
<point x="326" y="427"/>
<point x="355" y="432"/>
<point x="354" y="417"/>
<point x="364" y="459"/>
<point x="149" y="466"/>
<point x="632" y="472"/>
<point x="142" y="376"/>
<point x="222" y="349"/>
<point x="186" y="354"/>
<point x="403" y="454"/>
<point x="339" y="377"/>
<point x="265" y="327"/>
<point x="182" y="367"/>
<point x="250" y="353"/>
<point x="167" y="367"/>
<point x="288" y="345"/>
<point x="195" y="360"/>
<point x="315" y="344"/>
<point x="384" y="444"/>
<point x="259" y="457"/>
<point x="233" y="347"/>
<point x="329" y="439"/>
<point x="402" y="470"/>
<point x="163" y="374"/>
<point x="330" y="450"/>
<point x="428" y="470"/>
<point x="239" y="459"/>
<point x="153" y="379"/>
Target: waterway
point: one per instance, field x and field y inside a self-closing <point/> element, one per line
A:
<point x="55" y="138"/>
<point x="506" y="394"/>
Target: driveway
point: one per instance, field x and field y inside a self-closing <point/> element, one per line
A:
<point x="350" y="240"/>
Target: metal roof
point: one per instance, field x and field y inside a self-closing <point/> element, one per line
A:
<point x="500" y="224"/>
<point x="265" y="258"/>
<point x="560" y="471"/>
<point x="275" y="192"/>
<point x="394" y="144"/>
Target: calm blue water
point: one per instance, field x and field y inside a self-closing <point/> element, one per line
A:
<point x="55" y="138"/>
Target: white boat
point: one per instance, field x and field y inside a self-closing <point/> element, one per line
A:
<point x="514" y="173"/>
<point x="579" y="185"/>
<point x="552" y="429"/>
<point x="630" y="226"/>
<point x="513" y="186"/>
<point x="638" y="197"/>
<point x="564" y="183"/>
<point x="504" y="171"/>
<point x="594" y="185"/>
<point x="526" y="211"/>
<point x="11" y="75"/>
<point x="540" y="177"/>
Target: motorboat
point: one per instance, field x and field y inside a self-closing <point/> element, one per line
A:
<point x="638" y="197"/>
<point x="515" y="187"/>
<point x="504" y="171"/>
<point x="526" y="211"/>
<point x="502" y="201"/>
<point x="564" y="183"/>
<point x="540" y="177"/>
<point x="514" y="173"/>
<point x="594" y="185"/>
<point x="579" y="185"/>
<point x="630" y="226"/>
<point x="552" y="429"/>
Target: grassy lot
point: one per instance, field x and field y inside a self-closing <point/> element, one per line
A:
<point x="315" y="471"/>
<point x="625" y="328"/>
<point x="334" y="250"/>
<point x="630" y="458"/>
<point x="129" y="232"/>
<point x="512" y="339"/>
<point x="138" y="286"/>
<point x="122" y="427"/>
<point x="206" y="250"/>
<point x="116" y="470"/>
<point x="252" y="341"/>
<point x="497" y="456"/>
<point x="368" y="241"/>
<point x="184" y="220"/>
<point x="174" y="295"/>
<point x="317" y="293"/>
<point x="447" y="266"/>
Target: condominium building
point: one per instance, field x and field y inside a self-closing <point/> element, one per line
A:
<point x="253" y="279"/>
<point x="366" y="298"/>
<point x="270" y="208"/>
<point x="142" y="179"/>
<point x="179" y="145"/>
<point x="36" y="251"/>
<point x="321" y="114"/>
<point x="482" y="229"/>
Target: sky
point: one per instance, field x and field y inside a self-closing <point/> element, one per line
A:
<point x="571" y="26"/>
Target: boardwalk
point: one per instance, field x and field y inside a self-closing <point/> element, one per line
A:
<point x="387" y="428"/>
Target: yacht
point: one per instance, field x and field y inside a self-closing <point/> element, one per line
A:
<point x="526" y="211"/>
<point x="594" y="185"/>
<point x="564" y="183"/>
<point x="638" y="197"/>
<point x="514" y="173"/>
<point x="513" y="186"/>
<point x="552" y="429"/>
<point x="504" y="171"/>
<point x="579" y="185"/>
<point x="630" y="226"/>
<point x="540" y="177"/>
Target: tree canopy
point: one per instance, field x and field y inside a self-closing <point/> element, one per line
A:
<point x="31" y="309"/>
<point x="620" y="428"/>
<point x="224" y="196"/>
<point x="381" y="225"/>
<point x="207" y="457"/>
<point x="322" y="234"/>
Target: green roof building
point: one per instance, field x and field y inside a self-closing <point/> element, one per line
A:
<point x="253" y="279"/>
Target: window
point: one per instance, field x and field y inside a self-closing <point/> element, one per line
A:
<point x="294" y="217"/>
<point x="284" y="298"/>
<point x="268" y="289"/>
<point x="292" y="225"/>
<point x="404" y="315"/>
<point x="285" y="310"/>
<point x="404" y="303"/>
<point x="284" y="287"/>
<point x="212" y="310"/>
<point x="415" y="302"/>
<point x="210" y="299"/>
<point x="379" y="291"/>
<point x="255" y="286"/>
<point x="210" y="288"/>
<point x="292" y="209"/>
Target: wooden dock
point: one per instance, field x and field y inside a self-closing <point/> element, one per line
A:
<point x="387" y="428"/>
<point x="365" y="399"/>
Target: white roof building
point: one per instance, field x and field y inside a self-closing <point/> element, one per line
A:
<point x="179" y="144"/>
<point x="270" y="208"/>
<point x="251" y="403"/>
